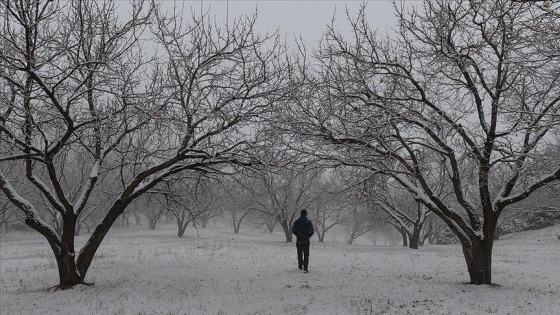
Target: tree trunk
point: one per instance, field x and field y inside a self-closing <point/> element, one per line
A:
<point x="270" y="225"/>
<point x="126" y="220"/>
<point x="68" y="271"/>
<point x="182" y="223"/>
<point x="138" y="218"/>
<point x="236" y="227"/>
<point x="351" y="239"/>
<point x="4" y="221"/>
<point x="321" y="236"/>
<point x="66" y="260"/>
<point x="415" y="239"/>
<point x="237" y="223"/>
<point x="404" y="237"/>
<point x="478" y="257"/>
<point x="182" y="229"/>
<point x="287" y="232"/>
<point x="152" y="223"/>
<point x="63" y="249"/>
<point x="65" y="254"/>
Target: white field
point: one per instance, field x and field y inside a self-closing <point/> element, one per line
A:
<point x="218" y="272"/>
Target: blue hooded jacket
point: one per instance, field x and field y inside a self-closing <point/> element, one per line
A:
<point x="303" y="229"/>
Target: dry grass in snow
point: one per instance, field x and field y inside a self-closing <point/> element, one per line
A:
<point x="218" y="272"/>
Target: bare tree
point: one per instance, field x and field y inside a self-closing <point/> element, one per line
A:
<point x="364" y="216"/>
<point x="406" y="214"/>
<point x="432" y="228"/>
<point x="239" y="201"/>
<point x="330" y="207"/>
<point x="259" y="219"/>
<point x="466" y="83"/>
<point x="210" y="197"/>
<point x="282" y="192"/>
<point x="82" y="84"/>
<point x="153" y="206"/>
<point x="190" y="200"/>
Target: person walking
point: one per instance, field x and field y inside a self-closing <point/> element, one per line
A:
<point x="303" y="230"/>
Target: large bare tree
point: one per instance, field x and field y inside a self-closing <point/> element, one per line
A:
<point x="464" y="82"/>
<point x="84" y="84"/>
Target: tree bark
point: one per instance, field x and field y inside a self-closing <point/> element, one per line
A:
<point x="287" y="230"/>
<point x="182" y="228"/>
<point x="404" y="237"/>
<point x="415" y="239"/>
<point x="182" y="223"/>
<point x="63" y="249"/>
<point x="479" y="261"/>
<point x="68" y="271"/>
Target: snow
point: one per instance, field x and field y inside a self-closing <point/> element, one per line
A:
<point x="26" y="206"/>
<point x="218" y="272"/>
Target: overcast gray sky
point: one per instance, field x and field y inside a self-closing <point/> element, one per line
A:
<point x="307" y="19"/>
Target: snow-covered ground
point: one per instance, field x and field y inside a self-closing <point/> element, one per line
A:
<point x="154" y="272"/>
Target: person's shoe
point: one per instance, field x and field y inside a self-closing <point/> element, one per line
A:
<point x="305" y="271"/>
<point x="299" y="267"/>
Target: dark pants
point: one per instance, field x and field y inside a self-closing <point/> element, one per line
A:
<point x="303" y="254"/>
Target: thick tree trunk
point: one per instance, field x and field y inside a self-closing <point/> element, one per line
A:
<point x="415" y="239"/>
<point x="68" y="271"/>
<point x="66" y="259"/>
<point x="63" y="249"/>
<point x="479" y="261"/>
<point x="287" y="232"/>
